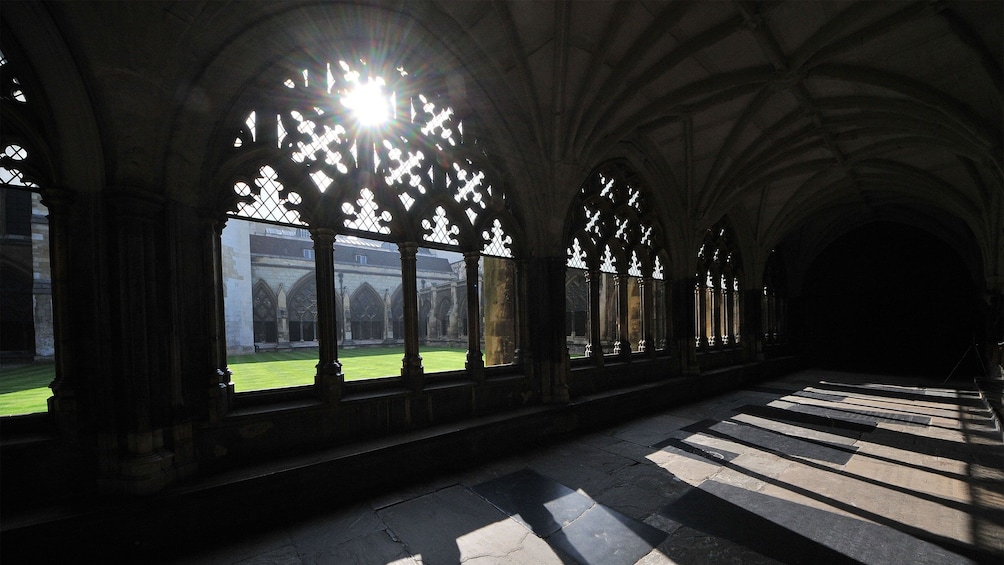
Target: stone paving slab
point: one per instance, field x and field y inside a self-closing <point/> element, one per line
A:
<point x="820" y="467"/>
<point x="605" y="536"/>
<point x="792" y="533"/>
<point x="454" y="525"/>
<point x="541" y="504"/>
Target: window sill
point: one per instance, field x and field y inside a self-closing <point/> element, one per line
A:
<point x="273" y="408"/>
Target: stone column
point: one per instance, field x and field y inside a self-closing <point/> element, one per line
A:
<point x="645" y="289"/>
<point x="521" y="354"/>
<point x="715" y="296"/>
<point x="64" y="403"/>
<point x="475" y="360"/>
<point x="686" y="295"/>
<point x="346" y="315"/>
<point x="500" y="322"/>
<point x="454" y="306"/>
<point x="594" y="349"/>
<point x="329" y="378"/>
<point x="132" y="456"/>
<point x="411" y="370"/>
<point x="282" y="319"/>
<point x="737" y="316"/>
<point x="728" y="302"/>
<point x="388" y="316"/>
<point x="701" y="312"/>
<point x="750" y="313"/>
<point x="220" y="391"/>
<point x="545" y="304"/>
<point x="622" y="347"/>
<point x="432" y="327"/>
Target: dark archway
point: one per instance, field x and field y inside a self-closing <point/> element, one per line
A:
<point x="891" y="298"/>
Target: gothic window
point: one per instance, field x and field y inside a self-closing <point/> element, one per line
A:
<point x="717" y="293"/>
<point x="374" y="152"/>
<point x="424" y="313"/>
<point x="443" y="317"/>
<point x="367" y="314"/>
<point x="397" y="314"/>
<point x="26" y="282"/>
<point x="302" y="310"/>
<point x="612" y="258"/>
<point x="264" y="310"/>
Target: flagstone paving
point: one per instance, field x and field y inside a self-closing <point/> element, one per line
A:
<point x="818" y="467"/>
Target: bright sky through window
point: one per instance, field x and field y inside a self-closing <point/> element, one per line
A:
<point x="368" y="102"/>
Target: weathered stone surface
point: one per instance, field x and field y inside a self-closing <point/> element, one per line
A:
<point x="744" y="483"/>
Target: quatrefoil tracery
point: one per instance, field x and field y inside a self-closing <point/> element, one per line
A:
<point x="327" y="171"/>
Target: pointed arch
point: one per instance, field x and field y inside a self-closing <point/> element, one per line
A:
<point x="301" y="308"/>
<point x="616" y="239"/>
<point x="367" y="313"/>
<point x="718" y="301"/>
<point x="264" y="304"/>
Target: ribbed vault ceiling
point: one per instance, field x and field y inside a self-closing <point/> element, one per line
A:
<point x="790" y="117"/>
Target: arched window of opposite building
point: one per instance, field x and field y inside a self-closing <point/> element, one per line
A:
<point x="358" y="175"/>
<point x="615" y="287"/>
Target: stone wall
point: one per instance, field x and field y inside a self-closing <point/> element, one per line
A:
<point x="45" y="348"/>
<point x="237" y="282"/>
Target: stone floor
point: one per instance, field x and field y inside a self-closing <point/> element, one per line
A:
<point x="818" y="467"/>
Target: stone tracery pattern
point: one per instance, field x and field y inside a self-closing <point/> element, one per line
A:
<point x="717" y="294"/>
<point x="16" y="159"/>
<point x="325" y="170"/>
<point x="612" y="226"/>
<point x="615" y="238"/>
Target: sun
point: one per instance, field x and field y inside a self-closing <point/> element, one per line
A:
<point x="368" y="102"/>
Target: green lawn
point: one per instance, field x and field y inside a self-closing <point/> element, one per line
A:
<point x="24" y="389"/>
<point x="275" y="369"/>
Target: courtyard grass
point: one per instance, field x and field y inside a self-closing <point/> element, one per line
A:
<point x="277" y="369"/>
<point x="24" y="389"/>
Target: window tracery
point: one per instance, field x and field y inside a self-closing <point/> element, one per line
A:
<point x="264" y="312"/>
<point x="27" y="311"/>
<point x="614" y="244"/>
<point x="329" y="170"/>
<point x="372" y="151"/>
<point x="717" y="294"/>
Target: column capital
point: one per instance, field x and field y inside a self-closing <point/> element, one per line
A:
<point x="408" y="248"/>
<point x="57" y="199"/>
<point x="322" y="235"/>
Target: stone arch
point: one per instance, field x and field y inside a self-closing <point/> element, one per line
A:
<point x="718" y="289"/>
<point x="367" y="311"/>
<point x="264" y="311"/>
<point x="301" y="309"/>
<point x="443" y="308"/>
<point x="50" y="71"/>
